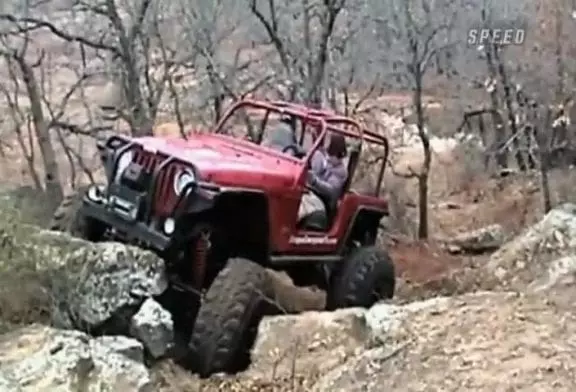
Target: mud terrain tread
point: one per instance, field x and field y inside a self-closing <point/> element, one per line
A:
<point x="230" y="305"/>
<point x="365" y="271"/>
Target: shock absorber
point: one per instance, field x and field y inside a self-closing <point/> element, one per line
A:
<point x="200" y="254"/>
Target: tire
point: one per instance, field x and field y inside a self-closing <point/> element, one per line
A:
<point x="227" y="321"/>
<point x="366" y="276"/>
<point x="68" y="218"/>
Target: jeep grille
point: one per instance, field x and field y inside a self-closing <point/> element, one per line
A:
<point x="164" y="197"/>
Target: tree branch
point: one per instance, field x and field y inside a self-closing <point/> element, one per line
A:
<point x="38" y="23"/>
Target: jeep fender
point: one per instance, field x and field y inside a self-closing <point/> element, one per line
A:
<point x="365" y="222"/>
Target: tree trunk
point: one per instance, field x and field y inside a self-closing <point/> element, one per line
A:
<point x="545" y="185"/>
<point x="140" y="122"/>
<point x="316" y="77"/>
<point x="423" y="175"/>
<point x="51" y="171"/>
<point x="544" y="152"/>
<point x="29" y="155"/>
<point x="497" y="121"/>
<point x="517" y="132"/>
<point x="560" y="66"/>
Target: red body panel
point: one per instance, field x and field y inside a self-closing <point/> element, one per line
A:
<point x="350" y="204"/>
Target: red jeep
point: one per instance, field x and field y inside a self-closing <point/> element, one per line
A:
<point x="221" y="208"/>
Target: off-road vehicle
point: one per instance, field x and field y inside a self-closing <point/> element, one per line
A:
<point x="221" y="209"/>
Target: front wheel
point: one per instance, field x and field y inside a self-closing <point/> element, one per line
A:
<point x="227" y="322"/>
<point x="366" y="276"/>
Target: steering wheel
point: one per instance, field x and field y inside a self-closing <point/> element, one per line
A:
<point x="295" y="149"/>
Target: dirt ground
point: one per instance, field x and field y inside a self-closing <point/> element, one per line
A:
<point x="515" y="202"/>
<point x="485" y="342"/>
<point x="422" y="261"/>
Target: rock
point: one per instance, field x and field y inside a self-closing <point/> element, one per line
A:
<point x="381" y="319"/>
<point x="481" y="342"/>
<point x="41" y="358"/>
<point x="7" y="385"/>
<point x="310" y="343"/>
<point x="314" y="343"/>
<point x="129" y="348"/>
<point x="531" y="256"/>
<point x="561" y="272"/>
<point x="100" y="286"/>
<point x="486" y="239"/>
<point x="449" y="205"/>
<point x="153" y="326"/>
<point x="558" y="284"/>
<point x="94" y="287"/>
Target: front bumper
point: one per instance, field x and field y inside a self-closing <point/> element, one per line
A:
<point x="129" y="231"/>
<point x="124" y="211"/>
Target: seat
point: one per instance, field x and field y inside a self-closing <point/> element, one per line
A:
<point x="322" y="220"/>
<point x="315" y="221"/>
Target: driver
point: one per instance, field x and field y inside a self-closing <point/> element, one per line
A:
<point x="327" y="176"/>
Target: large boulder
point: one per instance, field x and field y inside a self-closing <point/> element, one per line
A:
<point x="539" y="256"/>
<point x="298" y="344"/>
<point x="74" y="284"/>
<point x="41" y="358"/>
<point x="97" y="286"/>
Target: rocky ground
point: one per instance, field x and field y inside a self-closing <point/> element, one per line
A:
<point x="488" y="309"/>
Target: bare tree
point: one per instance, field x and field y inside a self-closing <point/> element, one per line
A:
<point x="421" y="31"/>
<point x="228" y="64"/>
<point x="129" y="35"/>
<point x="353" y="76"/>
<point x="44" y="89"/>
<point x="300" y="32"/>
<point x="21" y="66"/>
<point x="536" y="93"/>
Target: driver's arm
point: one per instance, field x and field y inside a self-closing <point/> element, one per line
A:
<point x="331" y="186"/>
<point x="317" y="162"/>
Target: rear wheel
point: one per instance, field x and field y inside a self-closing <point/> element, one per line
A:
<point x="68" y="218"/>
<point x="227" y="322"/>
<point x="366" y="276"/>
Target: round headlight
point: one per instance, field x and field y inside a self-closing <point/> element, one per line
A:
<point x="95" y="193"/>
<point x="169" y="226"/>
<point x="123" y="163"/>
<point x="182" y="179"/>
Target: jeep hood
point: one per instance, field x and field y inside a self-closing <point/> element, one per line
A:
<point x="229" y="161"/>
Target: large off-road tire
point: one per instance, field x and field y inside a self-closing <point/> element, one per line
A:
<point x="227" y="322"/>
<point x="366" y="276"/>
<point x="69" y="219"/>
